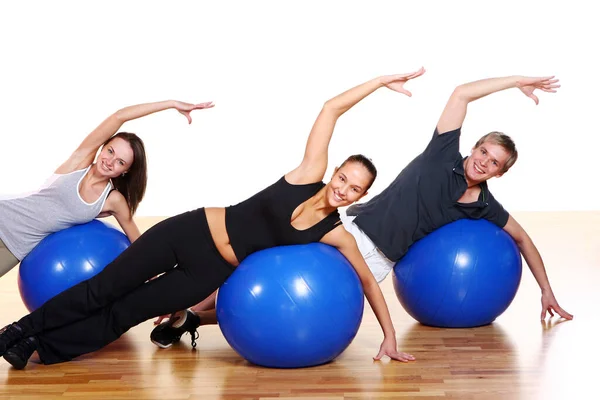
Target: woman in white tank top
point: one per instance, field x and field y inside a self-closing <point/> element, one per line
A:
<point x="80" y="189"/>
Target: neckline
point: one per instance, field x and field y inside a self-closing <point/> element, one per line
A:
<point x="79" y="187"/>
<point x="305" y="201"/>
<point x="312" y="226"/>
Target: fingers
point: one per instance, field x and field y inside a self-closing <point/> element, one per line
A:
<point x="557" y="309"/>
<point x="545" y="78"/>
<point x="200" y="106"/>
<point x="379" y="355"/>
<point x="534" y="98"/>
<point x="563" y="313"/>
<point x="190" y="107"/>
<point x="404" y="357"/>
<point x="549" y="88"/>
<point x="396" y="355"/>
<point x="415" y="74"/>
<point x="411" y="75"/>
<point x="547" y="308"/>
<point x="399" y="87"/>
<point x="187" y="115"/>
<point x="158" y="320"/>
<point x="547" y="84"/>
<point x="538" y="82"/>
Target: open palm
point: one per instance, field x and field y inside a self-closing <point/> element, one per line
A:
<point x="187" y="108"/>
<point x="396" y="82"/>
<point x="529" y="85"/>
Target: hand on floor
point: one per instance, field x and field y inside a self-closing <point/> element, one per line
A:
<point x="389" y="348"/>
<point x="550" y="304"/>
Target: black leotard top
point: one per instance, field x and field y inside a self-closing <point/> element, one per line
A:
<point x="264" y="220"/>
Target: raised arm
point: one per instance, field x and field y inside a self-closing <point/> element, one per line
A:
<point x="314" y="163"/>
<point x="345" y="243"/>
<point x="536" y="265"/>
<point x="455" y="111"/>
<point x="85" y="153"/>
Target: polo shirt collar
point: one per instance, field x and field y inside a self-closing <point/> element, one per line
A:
<point x="459" y="168"/>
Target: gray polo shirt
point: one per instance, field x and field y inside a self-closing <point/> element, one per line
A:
<point x="424" y="197"/>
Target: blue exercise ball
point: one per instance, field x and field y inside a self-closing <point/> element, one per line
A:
<point x="67" y="257"/>
<point x="291" y="306"/>
<point x="462" y="275"/>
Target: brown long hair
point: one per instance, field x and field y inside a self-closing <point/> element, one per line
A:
<point x="132" y="185"/>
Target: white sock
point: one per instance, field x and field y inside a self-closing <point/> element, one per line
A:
<point x="181" y="320"/>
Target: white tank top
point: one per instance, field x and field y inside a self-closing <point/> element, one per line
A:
<point x="27" y="219"/>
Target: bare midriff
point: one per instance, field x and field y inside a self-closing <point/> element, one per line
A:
<point x="215" y="217"/>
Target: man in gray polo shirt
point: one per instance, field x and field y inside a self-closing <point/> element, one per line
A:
<point x="440" y="186"/>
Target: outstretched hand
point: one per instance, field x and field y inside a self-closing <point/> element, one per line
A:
<point x="388" y="348"/>
<point x="396" y="82"/>
<point x="550" y="304"/>
<point x="187" y="108"/>
<point x="528" y="85"/>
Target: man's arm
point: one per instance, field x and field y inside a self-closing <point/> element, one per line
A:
<point x="536" y="265"/>
<point x="455" y="111"/>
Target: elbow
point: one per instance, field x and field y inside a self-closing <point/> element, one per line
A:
<point x="520" y="244"/>
<point x="461" y="94"/>
<point x="522" y="240"/>
<point x="369" y="284"/>
<point x="119" y="116"/>
<point x="331" y="107"/>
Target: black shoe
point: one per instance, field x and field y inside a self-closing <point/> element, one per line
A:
<point x="165" y="334"/>
<point x="9" y="336"/>
<point x="19" y="354"/>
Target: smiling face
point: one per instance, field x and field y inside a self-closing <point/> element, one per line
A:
<point x="486" y="161"/>
<point x="115" y="158"/>
<point x="348" y="184"/>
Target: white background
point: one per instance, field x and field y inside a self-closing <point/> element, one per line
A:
<point x="269" y="66"/>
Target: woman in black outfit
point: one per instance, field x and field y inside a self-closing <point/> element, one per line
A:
<point x="199" y="249"/>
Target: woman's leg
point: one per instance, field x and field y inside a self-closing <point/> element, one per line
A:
<point x="175" y="290"/>
<point x="171" y="331"/>
<point x="151" y="254"/>
<point x="200" y="271"/>
<point x="205" y="305"/>
<point x="207" y="317"/>
<point x="206" y="310"/>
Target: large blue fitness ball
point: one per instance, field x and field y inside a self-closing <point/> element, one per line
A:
<point x="66" y="258"/>
<point x="291" y="306"/>
<point x="464" y="274"/>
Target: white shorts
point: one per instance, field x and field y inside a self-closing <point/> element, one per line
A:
<point x="377" y="262"/>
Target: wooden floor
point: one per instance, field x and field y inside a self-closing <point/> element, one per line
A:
<point x="516" y="357"/>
